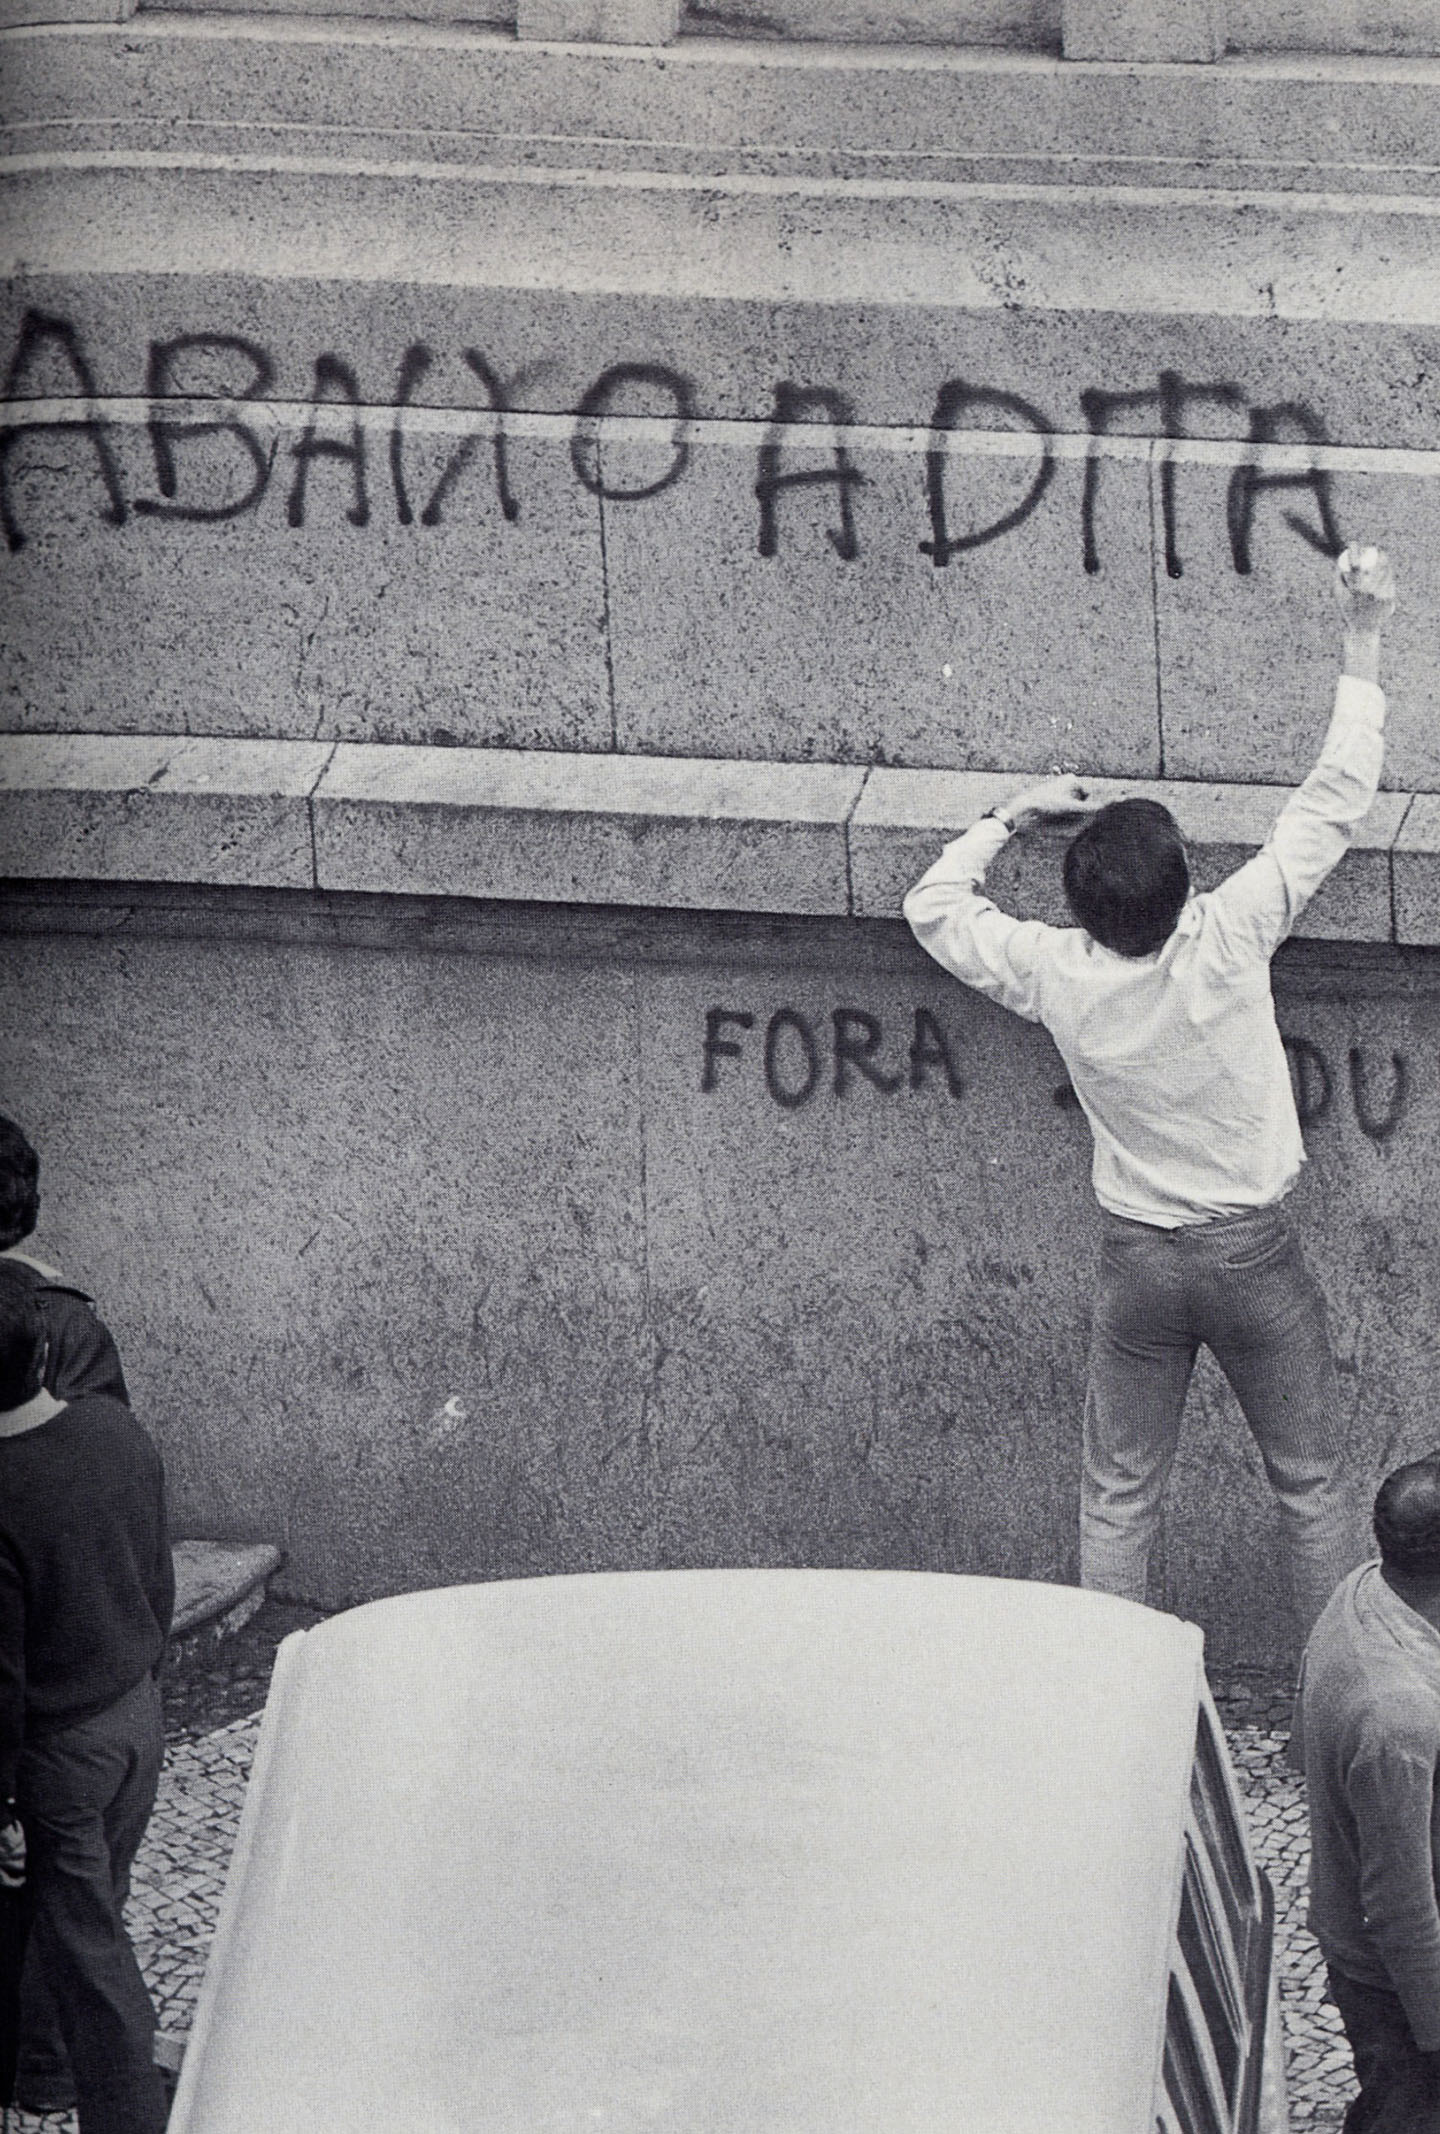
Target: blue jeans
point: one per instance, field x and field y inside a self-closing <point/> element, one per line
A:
<point x="1241" y="1286"/>
<point x="1399" y="2084"/>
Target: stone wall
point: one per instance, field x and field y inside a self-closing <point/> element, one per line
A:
<point x="514" y="556"/>
<point x="441" y="1246"/>
<point x="740" y="442"/>
<point x="987" y="599"/>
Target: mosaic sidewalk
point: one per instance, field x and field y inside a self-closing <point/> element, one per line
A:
<point x="1321" y="2079"/>
<point x="180" y="1874"/>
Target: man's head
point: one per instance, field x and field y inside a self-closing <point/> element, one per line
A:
<point x="1127" y="876"/>
<point x="22" y="1340"/>
<point x="1407" y="1519"/>
<point x="19" y="1185"/>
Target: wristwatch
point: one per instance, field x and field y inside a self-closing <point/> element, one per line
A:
<point x="1001" y="817"/>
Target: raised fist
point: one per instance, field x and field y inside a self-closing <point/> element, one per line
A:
<point x="1059" y="799"/>
<point x="1364" y="587"/>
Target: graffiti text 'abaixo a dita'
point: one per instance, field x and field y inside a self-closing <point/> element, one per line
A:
<point x="799" y="1056"/>
<point x="352" y="461"/>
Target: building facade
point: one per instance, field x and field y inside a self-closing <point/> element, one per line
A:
<point x="521" y="538"/>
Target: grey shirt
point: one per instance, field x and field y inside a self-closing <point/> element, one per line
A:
<point x="1367" y="1725"/>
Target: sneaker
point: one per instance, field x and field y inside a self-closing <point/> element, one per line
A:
<point x="41" y="2098"/>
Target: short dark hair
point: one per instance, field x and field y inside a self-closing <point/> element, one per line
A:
<point x="19" y="1185"/>
<point x="1127" y="876"/>
<point x="22" y="1339"/>
<point x="1407" y="1518"/>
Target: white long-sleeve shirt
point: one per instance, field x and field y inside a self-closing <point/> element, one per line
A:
<point x="1175" y="1056"/>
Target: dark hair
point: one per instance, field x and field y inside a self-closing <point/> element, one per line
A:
<point x="19" y="1185"/>
<point x="1407" y="1518"/>
<point x="1127" y="877"/>
<point x="22" y="1339"/>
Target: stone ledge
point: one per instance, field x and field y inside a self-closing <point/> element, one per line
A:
<point x="672" y="833"/>
<point x="1246" y="256"/>
<point x="905" y="816"/>
<point x="1415" y="865"/>
<point x="219" y="1585"/>
<point x="150" y="808"/>
<point x="515" y="824"/>
<point x="328" y="85"/>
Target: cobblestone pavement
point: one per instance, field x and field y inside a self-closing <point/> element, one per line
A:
<point x="1321" y="2080"/>
<point x="181" y="1871"/>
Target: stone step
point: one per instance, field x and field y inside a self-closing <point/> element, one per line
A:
<point x="219" y="1585"/>
<point x="1402" y="28"/>
<point x="706" y="292"/>
<point x="326" y="89"/>
<point x="720" y="217"/>
<point x="814" y="840"/>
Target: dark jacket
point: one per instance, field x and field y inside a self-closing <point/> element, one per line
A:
<point x="87" y="1581"/>
<point x="83" y="1358"/>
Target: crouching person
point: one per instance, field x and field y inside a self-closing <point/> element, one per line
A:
<point x="86" y="1592"/>
<point x="1367" y="1728"/>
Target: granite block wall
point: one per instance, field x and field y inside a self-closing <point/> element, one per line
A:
<point x="993" y="598"/>
<point x="448" y="487"/>
<point x="444" y="1242"/>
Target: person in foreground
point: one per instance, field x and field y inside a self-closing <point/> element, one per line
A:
<point x="86" y="1593"/>
<point x="1159" y="1002"/>
<point x="80" y="1357"/>
<point x="1367" y="1731"/>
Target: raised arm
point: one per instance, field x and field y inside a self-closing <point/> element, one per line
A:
<point x="1261" y="901"/>
<point x="959" y="926"/>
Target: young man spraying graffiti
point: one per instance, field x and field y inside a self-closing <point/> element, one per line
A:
<point x="1159" y="1002"/>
